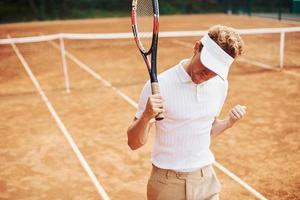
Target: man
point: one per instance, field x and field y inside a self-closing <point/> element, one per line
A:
<point x="192" y="95"/>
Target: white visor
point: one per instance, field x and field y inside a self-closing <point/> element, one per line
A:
<point x="215" y="58"/>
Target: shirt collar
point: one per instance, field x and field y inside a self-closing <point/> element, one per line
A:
<point x="182" y="74"/>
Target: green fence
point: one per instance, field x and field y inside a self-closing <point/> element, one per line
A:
<point x="296" y="6"/>
<point x="28" y="10"/>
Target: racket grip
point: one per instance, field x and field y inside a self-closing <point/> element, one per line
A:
<point x="155" y="90"/>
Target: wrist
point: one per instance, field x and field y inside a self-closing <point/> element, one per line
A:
<point x="146" y="117"/>
<point x="229" y="122"/>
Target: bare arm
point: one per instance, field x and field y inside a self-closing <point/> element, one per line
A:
<point x="219" y="126"/>
<point x="138" y="131"/>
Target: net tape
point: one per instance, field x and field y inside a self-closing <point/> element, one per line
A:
<point x="87" y="36"/>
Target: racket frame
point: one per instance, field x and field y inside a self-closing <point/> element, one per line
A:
<point x="152" y="62"/>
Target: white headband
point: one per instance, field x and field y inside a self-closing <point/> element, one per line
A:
<point x="215" y="58"/>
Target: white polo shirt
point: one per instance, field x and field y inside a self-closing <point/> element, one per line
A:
<point x="182" y="139"/>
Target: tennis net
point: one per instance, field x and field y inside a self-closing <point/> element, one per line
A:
<point x="272" y="48"/>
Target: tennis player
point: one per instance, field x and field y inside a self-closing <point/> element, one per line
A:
<point x="192" y="96"/>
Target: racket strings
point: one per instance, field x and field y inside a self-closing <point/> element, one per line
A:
<point x="144" y="11"/>
<point x="145" y="8"/>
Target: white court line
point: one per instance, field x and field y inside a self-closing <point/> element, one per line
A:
<point x="258" y="64"/>
<point x="134" y="104"/>
<point x="241" y="182"/>
<point x="251" y="62"/>
<point x="291" y="73"/>
<point x="62" y="127"/>
<point x="96" y="75"/>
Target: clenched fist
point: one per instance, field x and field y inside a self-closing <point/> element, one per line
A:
<point x="237" y="113"/>
<point x="154" y="106"/>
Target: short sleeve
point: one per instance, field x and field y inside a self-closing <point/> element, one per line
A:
<point x="224" y="91"/>
<point x="145" y="94"/>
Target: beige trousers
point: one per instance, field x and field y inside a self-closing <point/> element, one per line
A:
<point x="170" y="185"/>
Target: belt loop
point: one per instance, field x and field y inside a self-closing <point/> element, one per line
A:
<point x="168" y="174"/>
<point x="178" y="175"/>
<point x="202" y="174"/>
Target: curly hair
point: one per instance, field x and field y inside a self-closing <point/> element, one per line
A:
<point x="228" y="39"/>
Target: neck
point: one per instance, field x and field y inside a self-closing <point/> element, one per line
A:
<point x="188" y="67"/>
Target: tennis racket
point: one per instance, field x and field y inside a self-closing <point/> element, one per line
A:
<point x="145" y="27"/>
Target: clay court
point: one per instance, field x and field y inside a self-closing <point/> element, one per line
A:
<point x="38" y="163"/>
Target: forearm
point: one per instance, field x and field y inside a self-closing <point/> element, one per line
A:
<point x="137" y="133"/>
<point x="219" y="126"/>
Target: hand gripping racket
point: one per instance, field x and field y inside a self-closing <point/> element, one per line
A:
<point x="145" y="27"/>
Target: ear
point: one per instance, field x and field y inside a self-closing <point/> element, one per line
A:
<point x="196" y="47"/>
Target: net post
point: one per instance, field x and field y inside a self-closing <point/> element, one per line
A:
<point x="64" y="62"/>
<point x="281" y="48"/>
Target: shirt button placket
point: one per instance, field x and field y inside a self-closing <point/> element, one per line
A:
<point x="198" y="88"/>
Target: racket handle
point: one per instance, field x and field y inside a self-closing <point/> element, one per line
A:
<point x="155" y="90"/>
